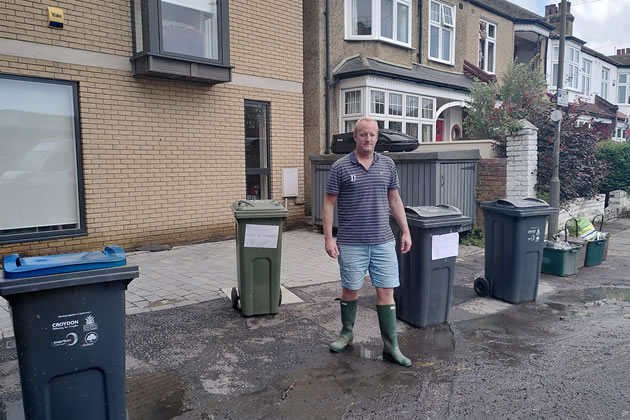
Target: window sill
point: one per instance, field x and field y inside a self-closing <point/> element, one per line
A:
<point x="42" y="236"/>
<point x="384" y="41"/>
<point x="167" y="67"/>
<point x="437" y="60"/>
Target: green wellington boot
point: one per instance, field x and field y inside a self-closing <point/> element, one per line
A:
<point x="387" y="322"/>
<point x="348" y="315"/>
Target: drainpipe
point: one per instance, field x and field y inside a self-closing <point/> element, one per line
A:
<point x="419" y="26"/>
<point x="327" y="79"/>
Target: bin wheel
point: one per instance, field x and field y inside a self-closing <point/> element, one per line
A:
<point x="236" y="300"/>
<point x="482" y="287"/>
<point x="280" y="300"/>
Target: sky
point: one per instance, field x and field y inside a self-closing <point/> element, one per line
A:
<point x="601" y="23"/>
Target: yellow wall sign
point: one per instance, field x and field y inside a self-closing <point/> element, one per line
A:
<point x="55" y="17"/>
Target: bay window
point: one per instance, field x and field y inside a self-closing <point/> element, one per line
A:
<point x="187" y="38"/>
<point x="385" y="20"/>
<point x="352" y="109"/>
<point x="40" y="160"/>
<point x="441" y="32"/>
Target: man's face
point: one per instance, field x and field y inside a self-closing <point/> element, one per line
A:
<point x="366" y="136"/>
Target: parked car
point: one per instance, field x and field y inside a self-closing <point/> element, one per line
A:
<point x="388" y="141"/>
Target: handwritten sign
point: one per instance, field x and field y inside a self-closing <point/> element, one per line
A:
<point x="261" y="236"/>
<point x="444" y="246"/>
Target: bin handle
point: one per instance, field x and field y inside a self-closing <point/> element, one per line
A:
<point x="566" y="231"/>
<point x="601" y="224"/>
<point x="11" y="261"/>
<point x="245" y="202"/>
<point x="538" y="200"/>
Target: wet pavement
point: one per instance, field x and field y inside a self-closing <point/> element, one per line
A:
<point x="567" y="355"/>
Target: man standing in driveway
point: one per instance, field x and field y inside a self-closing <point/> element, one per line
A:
<point x="364" y="184"/>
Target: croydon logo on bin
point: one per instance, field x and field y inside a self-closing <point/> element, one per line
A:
<point x="90" y="324"/>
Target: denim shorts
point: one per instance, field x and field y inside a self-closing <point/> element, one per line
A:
<point x="380" y="260"/>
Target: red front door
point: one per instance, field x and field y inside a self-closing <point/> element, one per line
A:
<point x="439" y="128"/>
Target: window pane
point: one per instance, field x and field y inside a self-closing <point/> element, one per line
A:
<point x="395" y="104"/>
<point x="349" y="125"/>
<point x="353" y="102"/>
<point x="554" y="75"/>
<point x="434" y="42"/>
<point x="395" y="125"/>
<point x="256" y="145"/>
<point x="491" y="31"/>
<point x="435" y="12"/>
<point x="623" y="77"/>
<point x="605" y="75"/>
<point x="490" y="57"/>
<point x="448" y="15"/>
<point x="387" y="18"/>
<point x="381" y="124"/>
<point x="377" y="102"/>
<point x="257" y="187"/>
<point x="427" y="133"/>
<point x="191" y="30"/>
<point x="555" y="53"/>
<point x="621" y="94"/>
<point x="361" y="17"/>
<point x="446" y="44"/>
<point x="412" y="106"/>
<point x="412" y="129"/>
<point x="482" y="54"/>
<point x="38" y="164"/>
<point x="402" y="23"/>
<point x="427" y="108"/>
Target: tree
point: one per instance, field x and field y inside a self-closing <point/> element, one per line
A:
<point x="496" y="108"/>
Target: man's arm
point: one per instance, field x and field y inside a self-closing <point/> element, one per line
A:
<point x="398" y="210"/>
<point x="328" y="214"/>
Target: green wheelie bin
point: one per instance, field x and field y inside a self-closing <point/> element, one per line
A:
<point x="258" y="256"/>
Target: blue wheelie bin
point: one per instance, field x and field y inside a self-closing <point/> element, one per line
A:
<point x="68" y="316"/>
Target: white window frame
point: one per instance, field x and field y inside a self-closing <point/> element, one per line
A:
<point x="441" y="25"/>
<point x="345" y="117"/>
<point x="554" y="62"/>
<point x="489" y="40"/>
<point x="625" y="85"/>
<point x="376" y="23"/>
<point x="587" y="71"/>
<point x="604" y="84"/>
<point x="573" y="68"/>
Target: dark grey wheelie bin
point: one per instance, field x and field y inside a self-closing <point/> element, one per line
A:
<point x="68" y="316"/>
<point x="514" y="240"/>
<point x="258" y="256"/>
<point x="427" y="271"/>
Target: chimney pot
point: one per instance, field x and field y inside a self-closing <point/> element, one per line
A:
<point x="618" y="52"/>
<point x="568" y="7"/>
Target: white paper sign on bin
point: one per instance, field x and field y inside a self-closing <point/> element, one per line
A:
<point x="444" y="246"/>
<point x="261" y="236"/>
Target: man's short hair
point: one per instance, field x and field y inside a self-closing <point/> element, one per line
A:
<point x="363" y="119"/>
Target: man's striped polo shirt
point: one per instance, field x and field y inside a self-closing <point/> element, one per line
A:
<point x="362" y="203"/>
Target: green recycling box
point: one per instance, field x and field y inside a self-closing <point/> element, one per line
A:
<point x="258" y="256"/>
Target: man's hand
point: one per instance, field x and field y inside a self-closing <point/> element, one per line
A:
<point x="405" y="243"/>
<point x="331" y="248"/>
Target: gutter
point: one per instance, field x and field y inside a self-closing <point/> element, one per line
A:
<point x="327" y="78"/>
<point x="372" y="72"/>
<point x="419" y="31"/>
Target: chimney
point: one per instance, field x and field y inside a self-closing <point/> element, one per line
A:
<point x="552" y="17"/>
<point x="619" y="52"/>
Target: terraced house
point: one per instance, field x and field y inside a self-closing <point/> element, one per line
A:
<point x="140" y="122"/>
<point x="409" y="64"/>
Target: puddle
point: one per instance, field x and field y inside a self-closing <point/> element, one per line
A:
<point x="435" y="343"/>
<point x="157" y="396"/>
<point x="564" y="300"/>
<point x="366" y="353"/>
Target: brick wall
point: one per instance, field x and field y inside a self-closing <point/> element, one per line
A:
<point x="164" y="160"/>
<point x="491" y="182"/>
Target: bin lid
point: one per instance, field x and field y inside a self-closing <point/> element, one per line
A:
<point x="520" y="207"/>
<point x="15" y="267"/>
<point x="435" y="216"/>
<point x="250" y="209"/>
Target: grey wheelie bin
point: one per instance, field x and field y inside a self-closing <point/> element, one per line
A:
<point x="427" y="271"/>
<point x="69" y="321"/>
<point x="514" y="241"/>
<point x="258" y="256"/>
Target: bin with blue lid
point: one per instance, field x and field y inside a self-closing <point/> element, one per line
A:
<point x="68" y="316"/>
<point x="514" y="233"/>
<point x="427" y="271"/>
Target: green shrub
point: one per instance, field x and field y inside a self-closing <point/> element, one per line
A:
<point x="617" y="154"/>
<point x="474" y="237"/>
